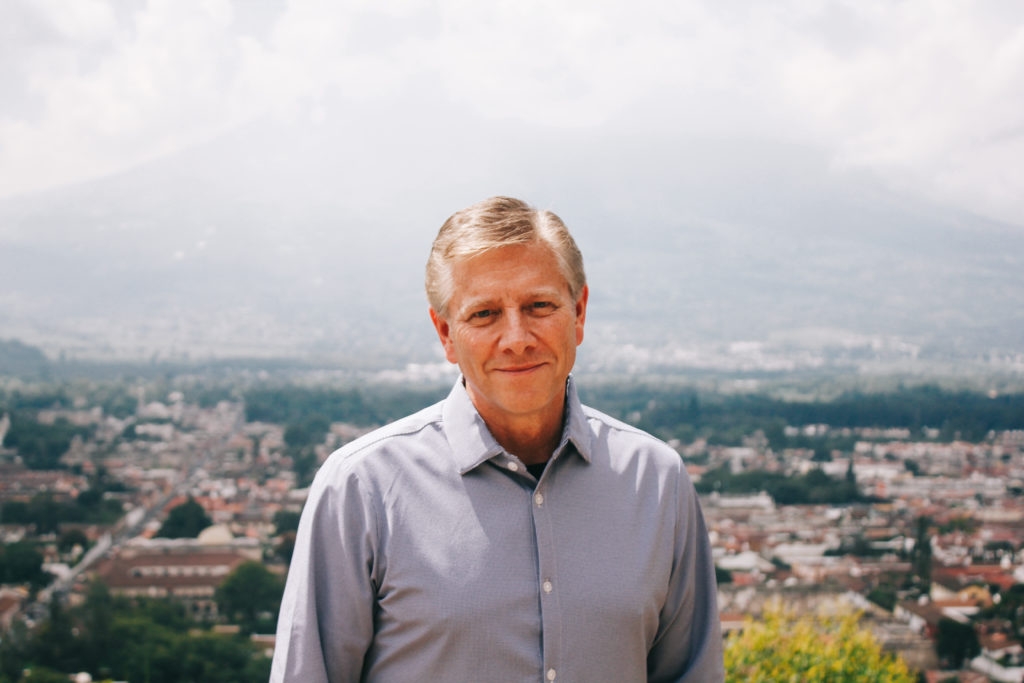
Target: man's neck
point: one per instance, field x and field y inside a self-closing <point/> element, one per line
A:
<point x="531" y="438"/>
<point x="530" y="447"/>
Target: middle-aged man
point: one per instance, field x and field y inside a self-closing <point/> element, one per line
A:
<point x="507" y="533"/>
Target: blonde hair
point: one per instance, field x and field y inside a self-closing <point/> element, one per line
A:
<point x="491" y="224"/>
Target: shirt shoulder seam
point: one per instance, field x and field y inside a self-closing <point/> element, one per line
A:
<point x="405" y="427"/>
<point x="594" y="415"/>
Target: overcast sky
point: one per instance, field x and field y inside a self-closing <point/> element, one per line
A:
<point x="926" y="96"/>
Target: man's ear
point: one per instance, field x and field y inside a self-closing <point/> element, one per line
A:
<point x="581" y="313"/>
<point x="444" y="332"/>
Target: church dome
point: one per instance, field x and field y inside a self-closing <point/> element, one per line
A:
<point x="218" y="534"/>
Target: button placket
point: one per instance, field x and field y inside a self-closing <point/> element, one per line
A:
<point x="551" y="614"/>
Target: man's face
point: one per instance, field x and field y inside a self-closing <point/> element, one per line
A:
<point x="513" y="328"/>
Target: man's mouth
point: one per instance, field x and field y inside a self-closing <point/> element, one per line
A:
<point x="519" y="369"/>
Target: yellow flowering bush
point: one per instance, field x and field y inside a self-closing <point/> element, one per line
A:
<point x="783" y="648"/>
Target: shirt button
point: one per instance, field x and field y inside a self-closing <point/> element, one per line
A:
<point x="551" y="674"/>
<point x="547" y="586"/>
<point x="513" y="466"/>
<point x="538" y="499"/>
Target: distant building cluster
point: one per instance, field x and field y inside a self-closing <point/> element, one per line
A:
<point x="935" y="537"/>
<point x="961" y="499"/>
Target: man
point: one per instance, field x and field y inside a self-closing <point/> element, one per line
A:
<point x="507" y="533"/>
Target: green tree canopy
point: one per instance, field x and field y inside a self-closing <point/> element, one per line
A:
<point x="309" y="431"/>
<point x="956" y="642"/>
<point x="70" y="538"/>
<point x="286" y="520"/>
<point x="921" y="557"/>
<point x="47" y="513"/>
<point x="42" y="674"/>
<point x="286" y="523"/>
<point x="810" y="649"/>
<point x="814" y="487"/>
<point x="185" y="520"/>
<point x="250" y="596"/>
<point x="128" y="640"/>
<point x="21" y="562"/>
<point x="41" y="445"/>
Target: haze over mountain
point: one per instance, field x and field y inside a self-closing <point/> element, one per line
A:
<point x="236" y="248"/>
<point x="776" y="186"/>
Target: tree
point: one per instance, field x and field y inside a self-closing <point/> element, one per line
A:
<point x="286" y="548"/>
<point x="286" y="520"/>
<point x="921" y="557"/>
<point x="884" y="597"/>
<point x="41" y="445"/>
<point x="821" y="454"/>
<point x="301" y="438"/>
<point x="811" y="649"/>
<point x="54" y="644"/>
<point x="45" y="512"/>
<point x="21" y="562"/>
<point x="250" y="596"/>
<point x="185" y="520"/>
<point x="89" y="498"/>
<point x="309" y="431"/>
<point x="956" y="642"/>
<point x="286" y="523"/>
<point x="210" y="657"/>
<point x="304" y="463"/>
<point x="42" y="674"/>
<point x="1010" y="607"/>
<point x="96" y="618"/>
<point x="140" y="639"/>
<point x="70" y="538"/>
<point x="14" y="651"/>
<point x="148" y="651"/>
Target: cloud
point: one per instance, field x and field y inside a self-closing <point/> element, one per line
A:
<point x="929" y="100"/>
<point x="115" y="94"/>
<point x="925" y="95"/>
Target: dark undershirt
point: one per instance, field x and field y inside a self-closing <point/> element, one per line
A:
<point x="537" y="469"/>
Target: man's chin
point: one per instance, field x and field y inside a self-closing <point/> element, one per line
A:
<point x="525" y="399"/>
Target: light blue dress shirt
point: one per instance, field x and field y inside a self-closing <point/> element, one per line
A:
<point x="428" y="553"/>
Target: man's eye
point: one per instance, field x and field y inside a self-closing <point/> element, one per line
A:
<point x="542" y="306"/>
<point x="481" y="315"/>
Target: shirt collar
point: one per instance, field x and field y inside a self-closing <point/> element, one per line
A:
<point x="472" y="443"/>
<point x="577" y="429"/>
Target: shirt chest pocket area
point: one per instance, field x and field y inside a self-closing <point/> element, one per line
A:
<point x="460" y="569"/>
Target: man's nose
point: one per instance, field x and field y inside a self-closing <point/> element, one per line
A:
<point x="516" y="334"/>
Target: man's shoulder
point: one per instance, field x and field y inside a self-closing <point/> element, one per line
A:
<point x="391" y="438"/>
<point x="622" y="436"/>
<point x="599" y="420"/>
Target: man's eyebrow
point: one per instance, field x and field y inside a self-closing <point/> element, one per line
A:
<point x="543" y="293"/>
<point x="477" y="304"/>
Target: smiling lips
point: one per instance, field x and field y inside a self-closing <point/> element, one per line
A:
<point x="518" y="369"/>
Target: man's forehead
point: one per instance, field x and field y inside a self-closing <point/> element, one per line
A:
<point x="468" y="295"/>
<point x="493" y="276"/>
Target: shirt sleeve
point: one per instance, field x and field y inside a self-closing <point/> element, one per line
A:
<point x="688" y="645"/>
<point x="325" y="625"/>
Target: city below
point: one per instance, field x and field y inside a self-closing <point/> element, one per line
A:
<point x="164" y="502"/>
